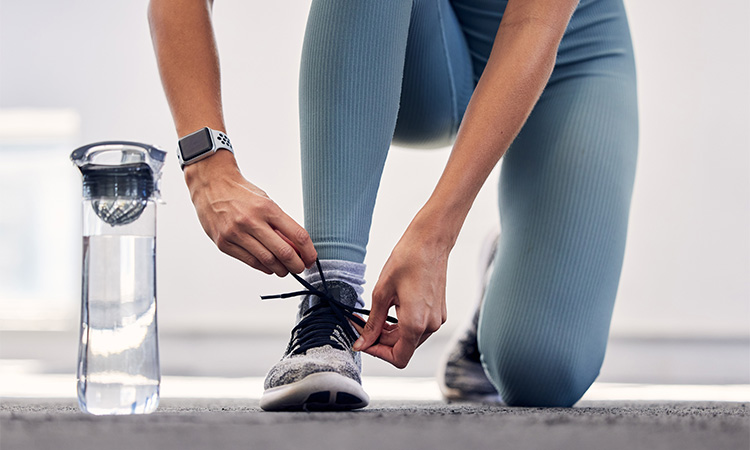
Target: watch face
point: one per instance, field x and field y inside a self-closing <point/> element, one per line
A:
<point x="196" y="144"/>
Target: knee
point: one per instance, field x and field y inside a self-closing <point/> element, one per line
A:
<point x="543" y="376"/>
<point x="423" y="135"/>
<point x="419" y="126"/>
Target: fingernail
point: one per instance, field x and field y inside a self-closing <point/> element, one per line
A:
<point x="358" y="344"/>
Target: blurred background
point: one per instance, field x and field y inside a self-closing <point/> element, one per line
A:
<point x="80" y="71"/>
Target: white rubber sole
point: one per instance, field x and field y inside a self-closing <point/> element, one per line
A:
<point x="323" y="391"/>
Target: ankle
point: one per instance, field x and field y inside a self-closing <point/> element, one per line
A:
<point x="348" y="272"/>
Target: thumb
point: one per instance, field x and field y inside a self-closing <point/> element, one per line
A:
<point x="381" y="302"/>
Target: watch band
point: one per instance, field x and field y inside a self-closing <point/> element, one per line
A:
<point x="200" y="145"/>
<point x="221" y="140"/>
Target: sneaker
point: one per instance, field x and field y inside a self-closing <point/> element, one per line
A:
<point x="461" y="376"/>
<point x="319" y="369"/>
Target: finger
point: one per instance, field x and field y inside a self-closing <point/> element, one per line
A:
<point x="386" y="326"/>
<point x="404" y="348"/>
<point x="387" y="336"/>
<point x="398" y="354"/>
<point x="241" y="254"/>
<point x="395" y="347"/>
<point x="390" y="326"/>
<point x="381" y="351"/>
<point x="381" y="302"/>
<point x="357" y="326"/>
<point x="281" y="249"/>
<point x="259" y="251"/>
<point x="298" y="238"/>
<point x="289" y="242"/>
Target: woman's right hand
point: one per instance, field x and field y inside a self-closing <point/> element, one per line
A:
<point x="243" y="221"/>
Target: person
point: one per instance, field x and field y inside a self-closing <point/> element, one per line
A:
<point x="548" y="86"/>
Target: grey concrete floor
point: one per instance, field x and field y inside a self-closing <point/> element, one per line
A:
<point x="218" y="424"/>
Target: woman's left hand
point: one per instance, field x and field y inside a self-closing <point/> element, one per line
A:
<point x="412" y="280"/>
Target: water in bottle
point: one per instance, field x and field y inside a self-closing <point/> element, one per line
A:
<point x="118" y="362"/>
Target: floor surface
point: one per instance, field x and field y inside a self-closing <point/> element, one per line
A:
<point x="215" y="424"/>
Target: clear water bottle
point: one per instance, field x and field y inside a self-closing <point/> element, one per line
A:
<point x="118" y="358"/>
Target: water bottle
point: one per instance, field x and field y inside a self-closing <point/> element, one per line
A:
<point x="118" y="357"/>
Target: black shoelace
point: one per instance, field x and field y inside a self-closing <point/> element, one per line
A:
<point x="319" y="323"/>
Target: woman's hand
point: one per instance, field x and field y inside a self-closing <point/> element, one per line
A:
<point x="412" y="280"/>
<point x="243" y="221"/>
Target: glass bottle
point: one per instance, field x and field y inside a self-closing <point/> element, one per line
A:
<point x="118" y="357"/>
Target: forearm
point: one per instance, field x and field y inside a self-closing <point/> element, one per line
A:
<point x="238" y="216"/>
<point x="188" y="62"/>
<point x="519" y="67"/>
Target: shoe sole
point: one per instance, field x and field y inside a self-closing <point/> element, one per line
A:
<point x="451" y="395"/>
<point x="324" y="391"/>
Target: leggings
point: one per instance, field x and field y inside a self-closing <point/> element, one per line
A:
<point x="381" y="71"/>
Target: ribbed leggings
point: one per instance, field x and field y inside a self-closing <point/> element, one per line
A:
<point x="377" y="71"/>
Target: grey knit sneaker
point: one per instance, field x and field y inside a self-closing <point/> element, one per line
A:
<point x="319" y="370"/>
<point x="461" y="376"/>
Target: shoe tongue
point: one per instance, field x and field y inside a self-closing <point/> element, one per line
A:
<point x="337" y="289"/>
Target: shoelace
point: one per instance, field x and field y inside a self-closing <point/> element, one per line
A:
<point x="318" y="325"/>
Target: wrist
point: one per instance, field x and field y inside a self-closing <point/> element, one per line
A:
<point x="221" y="164"/>
<point x="436" y="227"/>
<point x="444" y="213"/>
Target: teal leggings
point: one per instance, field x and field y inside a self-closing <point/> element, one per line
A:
<point x="402" y="71"/>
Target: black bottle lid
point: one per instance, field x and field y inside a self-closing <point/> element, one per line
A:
<point x="132" y="181"/>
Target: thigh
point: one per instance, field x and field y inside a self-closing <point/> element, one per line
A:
<point x="437" y="81"/>
<point x="479" y="20"/>
<point x="564" y="199"/>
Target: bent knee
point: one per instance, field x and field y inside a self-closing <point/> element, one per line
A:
<point x="423" y="138"/>
<point x="424" y="131"/>
<point x="543" y="379"/>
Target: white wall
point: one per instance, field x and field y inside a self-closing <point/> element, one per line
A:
<point x="687" y="267"/>
<point x="688" y="257"/>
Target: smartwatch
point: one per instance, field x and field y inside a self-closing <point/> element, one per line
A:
<point x="201" y="144"/>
